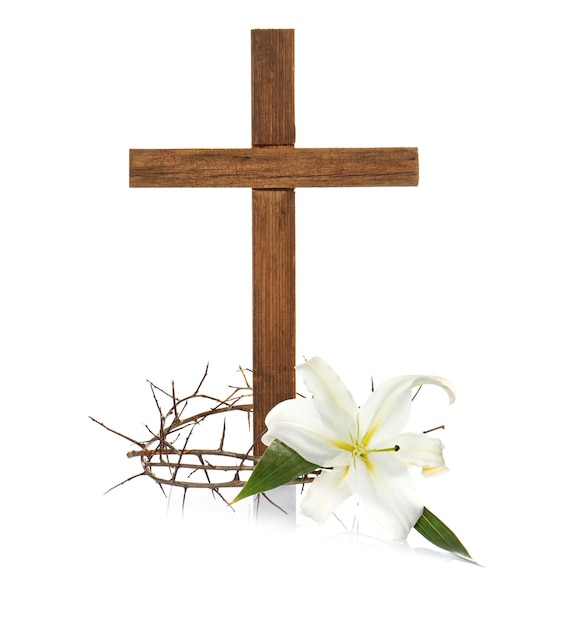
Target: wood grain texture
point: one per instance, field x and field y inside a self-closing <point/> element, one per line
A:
<point x="275" y="167"/>
<point x="274" y="316"/>
<point x="272" y="87"/>
<point x="274" y="326"/>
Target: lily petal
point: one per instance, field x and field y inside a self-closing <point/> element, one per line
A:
<point x="333" y="400"/>
<point x="387" y="410"/>
<point x="431" y="472"/>
<point x="386" y="488"/>
<point x="298" y="425"/>
<point x="327" y="491"/>
<point x="419" y="449"/>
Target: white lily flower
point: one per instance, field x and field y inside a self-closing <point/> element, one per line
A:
<point x="365" y="447"/>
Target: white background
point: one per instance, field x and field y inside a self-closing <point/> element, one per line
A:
<point x="467" y="276"/>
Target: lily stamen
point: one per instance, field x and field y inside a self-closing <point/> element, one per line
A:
<point x="392" y="449"/>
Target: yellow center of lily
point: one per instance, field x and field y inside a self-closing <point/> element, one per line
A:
<point x="359" y="449"/>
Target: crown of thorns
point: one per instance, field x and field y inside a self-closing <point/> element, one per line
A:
<point x="169" y="457"/>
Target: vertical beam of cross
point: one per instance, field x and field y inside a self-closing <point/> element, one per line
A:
<point x="273" y="215"/>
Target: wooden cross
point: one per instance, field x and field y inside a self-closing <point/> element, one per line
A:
<point x="273" y="168"/>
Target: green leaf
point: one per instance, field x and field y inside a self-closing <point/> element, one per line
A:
<point x="434" y="530"/>
<point x="278" y="466"/>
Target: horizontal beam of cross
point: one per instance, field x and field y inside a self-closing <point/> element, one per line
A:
<point x="276" y="167"/>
